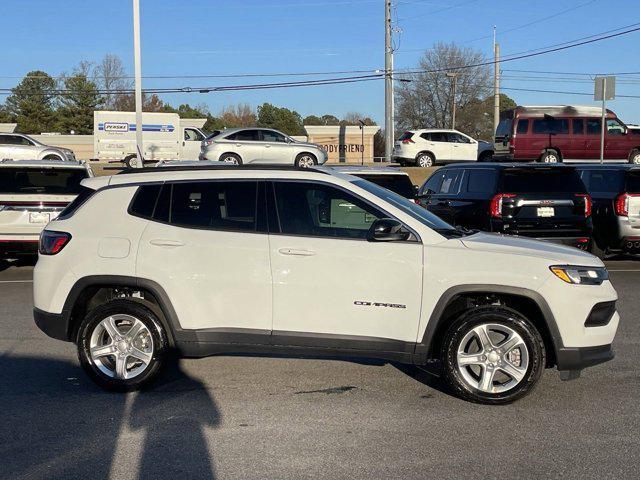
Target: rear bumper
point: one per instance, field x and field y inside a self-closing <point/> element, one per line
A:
<point x="26" y="246"/>
<point x="55" y="325"/>
<point x="576" y="359"/>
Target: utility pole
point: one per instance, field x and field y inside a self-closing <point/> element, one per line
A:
<point x="496" y="82"/>
<point x="454" y="77"/>
<point x="138" y="82"/>
<point x="388" y="83"/>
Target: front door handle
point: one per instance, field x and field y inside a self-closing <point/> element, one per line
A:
<point x="296" y="252"/>
<point x="163" y="242"/>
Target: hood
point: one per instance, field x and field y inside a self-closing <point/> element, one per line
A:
<point x="514" y="245"/>
<point x="306" y="144"/>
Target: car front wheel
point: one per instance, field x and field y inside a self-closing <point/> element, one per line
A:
<point x="634" y="157"/>
<point x="492" y="355"/>
<point x="121" y="345"/>
<point x="305" y="160"/>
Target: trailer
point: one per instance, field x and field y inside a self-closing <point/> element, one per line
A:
<point x="165" y="136"/>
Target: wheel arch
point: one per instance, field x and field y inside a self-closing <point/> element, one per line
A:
<point x="305" y="152"/>
<point x="52" y="152"/>
<point x="424" y="151"/>
<point x="235" y="154"/>
<point x="91" y="291"/>
<point x="461" y="298"/>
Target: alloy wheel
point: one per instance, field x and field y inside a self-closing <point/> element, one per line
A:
<point x="121" y="346"/>
<point x="492" y="358"/>
<point x="550" y="158"/>
<point x="425" y="161"/>
<point x="636" y="159"/>
<point x="305" y="161"/>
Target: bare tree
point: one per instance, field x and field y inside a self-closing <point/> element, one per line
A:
<point x="427" y="100"/>
<point x="111" y="75"/>
<point x="240" y="115"/>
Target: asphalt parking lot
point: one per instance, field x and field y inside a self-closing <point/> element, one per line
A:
<point x="251" y="417"/>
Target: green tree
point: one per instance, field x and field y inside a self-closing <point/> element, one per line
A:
<point x="330" y="120"/>
<point x="476" y="117"/>
<point x="77" y="104"/>
<point x="280" y="118"/>
<point x="312" y="120"/>
<point x="32" y="103"/>
<point x="5" y="116"/>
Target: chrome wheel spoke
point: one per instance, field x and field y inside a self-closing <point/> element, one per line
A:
<point x="465" y="359"/>
<point x="144" y="357"/>
<point x="121" y="366"/>
<point x="486" y="380"/>
<point x="135" y="329"/>
<point x="510" y="343"/>
<point x="109" y="325"/>
<point x="514" y="372"/>
<point x="483" y="336"/>
<point x="103" y="351"/>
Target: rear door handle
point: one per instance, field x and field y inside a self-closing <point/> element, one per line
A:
<point x="296" y="252"/>
<point x="162" y="242"/>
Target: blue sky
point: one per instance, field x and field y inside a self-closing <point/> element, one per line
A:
<point x="216" y="37"/>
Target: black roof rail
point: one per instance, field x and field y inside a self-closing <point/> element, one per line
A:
<point x="186" y="168"/>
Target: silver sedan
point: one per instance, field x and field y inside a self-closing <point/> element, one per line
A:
<point x="16" y="146"/>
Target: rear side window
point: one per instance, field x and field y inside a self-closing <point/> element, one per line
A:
<point x="144" y="201"/>
<point x="551" y="125"/>
<point x="400" y="184"/>
<point x="603" y="181"/>
<point x="481" y="181"/>
<point x="245" y="135"/>
<point x="542" y="180"/>
<point x="54" y="181"/>
<point x="523" y="126"/>
<point x="84" y="195"/>
<point x="209" y="205"/>
<point x="578" y="126"/>
<point x="439" y="137"/>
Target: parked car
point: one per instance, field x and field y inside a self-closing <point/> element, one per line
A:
<point x="563" y="134"/>
<point x="615" y="190"/>
<point x="33" y="192"/>
<point x="261" y="145"/>
<point x="425" y="148"/>
<point x="391" y="178"/>
<point x="16" y="146"/>
<point x="306" y="262"/>
<point x="166" y="137"/>
<point x="540" y="201"/>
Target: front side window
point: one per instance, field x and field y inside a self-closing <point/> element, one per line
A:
<point x="271" y="136"/>
<point x="191" y="135"/>
<point x="614" y="127"/>
<point x="432" y="185"/>
<point x="316" y="210"/>
<point x="209" y="205"/>
<point x="457" y="138"/>
<point x="450" y="184"/>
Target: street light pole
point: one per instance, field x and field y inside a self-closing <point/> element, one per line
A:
<point x="138" y="82"/>
<point x="388" y="83"/>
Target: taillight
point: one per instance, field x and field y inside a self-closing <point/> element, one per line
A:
<point x="407" y="141"/>
<point x="209" y="141"/>
<point x="621" y="204"/>
<point x="587" y="203"/>
<point x="53" y="242"/>
<point x="495" y="208"/>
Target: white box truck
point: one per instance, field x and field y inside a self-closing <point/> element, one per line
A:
<point x="164" y="137"/>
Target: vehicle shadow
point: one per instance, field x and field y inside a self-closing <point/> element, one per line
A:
<point x="22" y="261"/>
<point x="428" y="376"/>
<point x="57" y="424"/>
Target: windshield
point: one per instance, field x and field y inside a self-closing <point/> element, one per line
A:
<point x="15" y="180"/>
<point x="400" y="184"/>
<point x="410" y="208"/>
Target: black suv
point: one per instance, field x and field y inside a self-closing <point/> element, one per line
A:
<point x="615" y="190"/>
<point x="543" y="201"/>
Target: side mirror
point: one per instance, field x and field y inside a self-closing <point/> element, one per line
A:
<point x="416" y="188"/>
<point x="387" y="230"/>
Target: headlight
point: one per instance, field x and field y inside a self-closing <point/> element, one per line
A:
<point x="580" y="275"/>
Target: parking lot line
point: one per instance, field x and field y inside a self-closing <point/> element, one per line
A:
<point x="16" y="281"/>
<point x="624" y="270"/>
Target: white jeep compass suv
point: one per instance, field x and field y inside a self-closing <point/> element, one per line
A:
<point x="263" y="261"/>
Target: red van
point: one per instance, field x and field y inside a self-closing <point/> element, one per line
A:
<point x="563" y="134"/>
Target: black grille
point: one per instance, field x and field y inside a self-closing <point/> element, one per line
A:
<point x="600" y="314"/>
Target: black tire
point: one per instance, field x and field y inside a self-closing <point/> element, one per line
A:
<point x="231" y="158"/>
<point x="500" y="316"/>
<point x="486" y="156"/>
<point x="594" y="249"/>
<point x="303" y="160"/>
<point x="550" y="156"/>
<point x="154" y="328"/>
<point x="131" y="161"/>
<point x="53" y="157"/>
<point x="425" y="160"/>
<point x="634" y="156"/>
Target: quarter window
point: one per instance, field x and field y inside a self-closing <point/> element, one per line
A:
<point x="481" y="180"/>
<point x="322" y="211"/>
<point x="523" y="126"/>
<point x="209" y="205"/>
<point x="578" y="126"/>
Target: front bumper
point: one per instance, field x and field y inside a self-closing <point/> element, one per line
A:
<point x="575" y="359"/>
<point x="55" y="325"/>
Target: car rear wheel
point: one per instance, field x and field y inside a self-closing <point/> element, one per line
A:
<point x="492" y="355"/>
<point x="231" y="158"/>
<point x="53" y="157"/>
<point x="121" y="345"/>
<point x="306" y="160"/>
<point x="425" y="160"/>
<point x="550" y="156"/>
<point x="131" y="161"/>
<point x="634" y="156"/>
<point x="485" y="156"/>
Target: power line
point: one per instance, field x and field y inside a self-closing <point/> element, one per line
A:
<point x="562" y="92"/>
